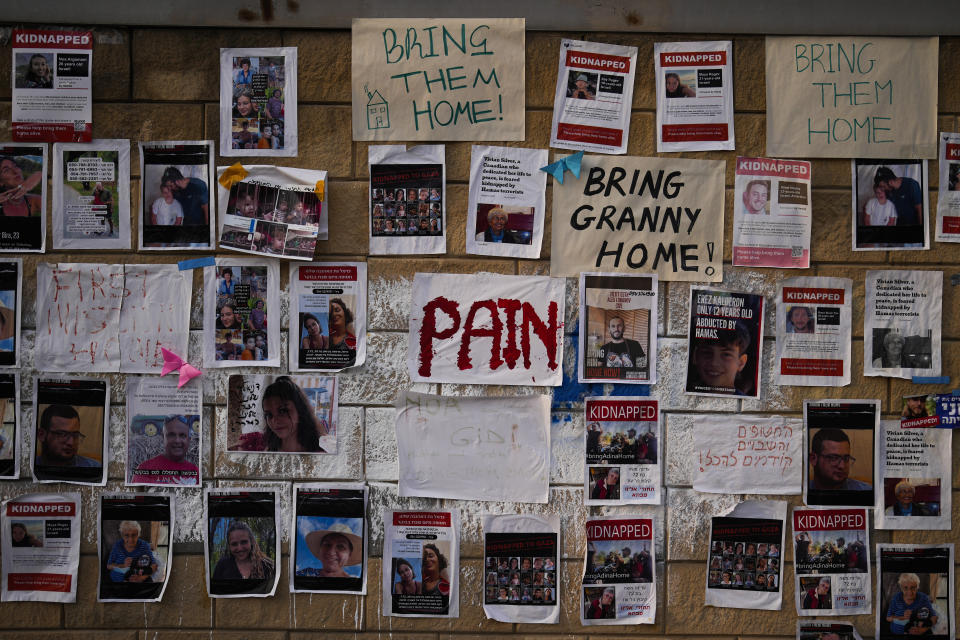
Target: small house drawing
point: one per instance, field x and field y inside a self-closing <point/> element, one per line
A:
<point x="378" y="112"/>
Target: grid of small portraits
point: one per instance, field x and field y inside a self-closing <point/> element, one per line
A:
<point x="259" y="97"/>
<point x="407" y="212"/>
<point x="242" y="314"/>
<point x="736" y="564"/>
<point x="520" y="580"/>
<point x="285" y="221"/>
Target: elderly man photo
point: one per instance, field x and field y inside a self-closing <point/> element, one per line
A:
<point x="830" y="463"/>
<point x="59" y="437"/>
<point x="171" y="466"/>
<point x="620" y="352"/>
<point x="497" y="228"/>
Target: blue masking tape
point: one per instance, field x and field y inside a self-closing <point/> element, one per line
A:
<point x="253" y="223"/>
<point x="196" y="263"/>
<point x="931" y="379"/>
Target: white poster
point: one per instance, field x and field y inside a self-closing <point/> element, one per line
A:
<point x="619" y="572"/>
<point x="176" y="198"/>
<point x="591" y="107"/>
<point x="694" y="95"/>
<point x="891" y="204"/>
<point x="826" y="630"/>
<point x="258" y="102"/>
<point x="40" y="536"/>
<point x="814" y="321"/>
<point x="492" y="449"/>
<point x="517" y="544"/>
<point x="71" y="439"/>
<point x="915" y="591"/>
<point x="623" y="443"/>
<point x="737" y="537"/>
<point x="91" y="195"/>
<point x="11" y="302"/>
<point x="408" y="199"/>
<point x="328" y="316"/>
<point x="11" y="436"/>
<point x="449" y="312"/>
<point x="507" y="207"/>
<point x="421" y="564"/>
<point x="901" y="323"/>
<point x="135" y="546"/>
<point x="948" y="195"/>
<point x="740" y="453"/>
<point x="832" y="561"/>
<point x="772" y="213"/>
<point x="241" y="537"/>
<point x="241" y="313"/>
<point x="329" y="546"/>
<point x="23" y="197"/>
<point x="914" y="477"/>
<point x="274" y="211"/>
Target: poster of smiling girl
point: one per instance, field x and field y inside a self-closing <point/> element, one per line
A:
<point x="242" y="542"/>
<point x="421" y="566"/>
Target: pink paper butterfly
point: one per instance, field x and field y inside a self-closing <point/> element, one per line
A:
<point x="172" y="362"/>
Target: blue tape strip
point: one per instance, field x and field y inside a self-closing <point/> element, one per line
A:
<point x="931" y="379"/>
<point x="196" y="263"/>
<point x="253" y="223"/>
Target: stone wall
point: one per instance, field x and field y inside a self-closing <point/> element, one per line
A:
<point x="160" y="84"/>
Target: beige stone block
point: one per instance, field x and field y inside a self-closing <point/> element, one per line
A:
<point x="386" y="634"/>
<point x="323" y="65"/>
<point x="830" y="239"/>
<point x="146" y="122"/>
<point x="276" y="612"/>
<point x="543" y="52"/>
<point x="329" y="611"/>
<point x="749" y="86"/>
<point x="24" y="615"/>
<point x="349" y="226"/>
<point x="211" y="635"/>
<point x="643" y="134"/>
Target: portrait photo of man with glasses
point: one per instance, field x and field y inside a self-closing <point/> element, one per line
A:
<point x="840" y="459"/>
<point x="69" y="444"/>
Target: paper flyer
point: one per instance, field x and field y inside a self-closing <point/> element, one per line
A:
<point x="623" y="440"/>
<point x="814" y="328"/>
<point x="135" y="547"/>
<point x="52" y="96"/>
<point x="329" y="553"/>
<point x="694" y="95"/>
<point x="746" y="545"/>
<point x="933" y="410"/>
<point x="10" y="434"/>
<point x="507" y="207"/>
<point x="282" y="414"/>
<point x="914" y="476"/>
<point x="479" y="448"/>
<point x="826" y="630"/>
<point x="72" y="437"/>
<point x="832" y="561"/>
<point x="619" y="573"/>
<point x="915" y="591"/>
<point x="514" y="545"/>
<point x="591" y="107"/>
<point x="258" y="102"/>
<point x="838" y="452"/>
<point x="176" y="201"/>
<point x="241" y="542"/>
<point x="40" y="541"/>
<point x="328" y="316"/>
<point x="772" y="213"/>
<point x="241" y="313"/>
<point x="408" y="195"/>
<point x="948" y="195"/>
<point x="274" y="211"/>
<point x="890" y="205"/>
<point x="91" y="195"/>
<point x="902" y="323"/>
<point x="11" y="300"/>
<point x="23" y="197"/>
<point x="421" y="566"/>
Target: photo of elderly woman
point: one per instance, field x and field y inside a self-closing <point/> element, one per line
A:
<point x="22" y="195"/>
<point x="911" y="496"/>
<point x="135" y="537"/>
<point x="915" y="591"/>
<point x="329" y="550"/>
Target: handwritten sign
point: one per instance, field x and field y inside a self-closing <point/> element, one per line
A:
<point x="646" y="215"/>
<point x="850" y="97"/>
<point x="748" y="454"/>
<point x="492" y="449"/>
<point x="438" y="79"/>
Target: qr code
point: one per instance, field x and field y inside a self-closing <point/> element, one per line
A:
<point x="796" y="252"/>
<point x="79" y="125"/>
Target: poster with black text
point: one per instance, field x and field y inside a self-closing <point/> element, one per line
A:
<point x="91" y="195"/>
<point x="619" y="573"/>
<point x="408" y="199"/>
<point x="517" y="545"/>
<point x="421" y="563"/>
<point x="914" y="477"/>
<point x="831" y="561"/>
<point x="622" y="464"/>
<point x="902" y="323"/>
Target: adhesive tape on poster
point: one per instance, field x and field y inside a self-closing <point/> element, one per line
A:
<point x="319" y="189"/>
<point x="232" y="175"/>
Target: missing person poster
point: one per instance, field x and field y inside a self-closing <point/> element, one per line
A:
<point x="480" y="448"/>
<point x="52" y="97"/>
<point x="241" y="542"/>
<point x="421" y="563"/>
<point x="772" y="213"/>
<point x="11" y="299"/>
<point x="832" y="561"/>
<point x="851" y="97"/>
<point x="164" y="431"/>
<point x="914" y="466"/>
<point x="824" y="630"/>
<point x="274" y="211"/>
<point x="890" y="205"/>
<point x="91" y="195"/>
<point x="176" y="208"/>
<point x="694" y="95"/>
<point x="282" y="414"/>
<point x="814" y="321"/>
<point x="258" y="102"/>
<point x="135" y="547"/>
<point x="619" y="573"/>
<point x="618" y="328"/>
<point x="328" y="316"/>
<point x="746" y="551"/>
<point x="40" y="541"/>
<point x="438" y="78"/>
<point x="241" y="313"/>
<point x="902" y="323"/>
<point x="514" y="546"/>
<point x="72" y="436"/>
<point x="647" y="215"/>
<point x="838" y="453"/>
<point x="934" y="410"/>
<point x="507" y="207"/>
<point x="450" y="312"/>
<point x="329" y="549"/>
<point x="740" y="453"/>
<point x="591" y="107"/>
<point x="408" y="196"/>
<point x="23" y="197"/>
<point x="915" y="591"/>
<point x="622" y="464"/>
<point x="10" y="435"/>
<point x="724" y="343"/>
<point x="948" y="195"/>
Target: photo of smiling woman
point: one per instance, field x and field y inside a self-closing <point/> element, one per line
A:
<point x="329" y="553"/>
<point x="242" y="542"/>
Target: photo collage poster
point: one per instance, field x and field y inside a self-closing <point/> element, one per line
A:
<point x="513" y="547"/>
<point x="241" y="542"/>
<point x="839" y="452"/>
<point x="622" y="463"/>
<point x="915" y="591"/>
<point x="91" y="195"/>
<point x="421" y="563"/>
<point x="241" y="313"/>
<point x="11" y="301"/>
<point x="176" y="197"/>
<point x="258" y="102"/>
<point x="408" y="196"/>
<point x="329" y="546"/>
<point x="890" y="204"/>
<point x="23" y="197"/>
<point x="10" y="434"/>
<point x="914" y="477"/>
<point x="135" y="547"/>
<point x="619" y="572"/>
